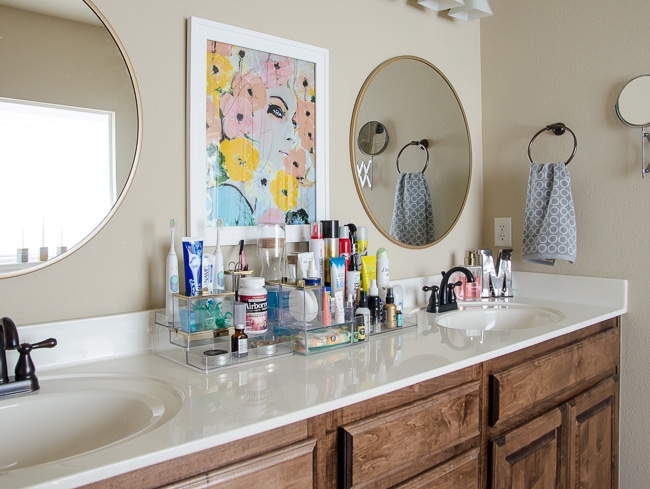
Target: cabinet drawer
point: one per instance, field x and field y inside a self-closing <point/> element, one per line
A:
<point x="458" y="473"/>
<point x="391" y="447"/>
<point x="288" y="467"/>
<point x="554" y="376"/>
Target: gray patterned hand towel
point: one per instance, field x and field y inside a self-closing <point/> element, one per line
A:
<point x="412" y="221"/>
<point x="550" y="220"/>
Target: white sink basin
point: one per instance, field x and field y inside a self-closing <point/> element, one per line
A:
<point x="498" y="317"/>
<point x="69" y="416"/>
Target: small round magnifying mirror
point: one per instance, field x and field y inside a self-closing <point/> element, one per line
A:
<point x="633" y="103"/>
<point x="373" y="138"/>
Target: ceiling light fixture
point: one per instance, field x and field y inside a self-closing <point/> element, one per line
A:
<point x="459" y="9"/>
<point x="439" y="5"/>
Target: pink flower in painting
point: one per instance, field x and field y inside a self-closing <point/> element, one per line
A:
<point x="219" y="48"/>
<point x="251" y="87"/>
<point x="278" y="72"/>
<point x="303" y="83"/>
<point x="306" y="122"/>
<point x="295" y="163"/>
<point x="237" y="115"/>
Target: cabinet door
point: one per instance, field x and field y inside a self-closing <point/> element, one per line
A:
<point x="558" y="375"/>
<point x="592" y="428"/>
<point x="530" y="456"/>
<point x="391" y="447"/>
<point x="289" y="467"/>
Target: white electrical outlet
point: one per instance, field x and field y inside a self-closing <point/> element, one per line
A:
<point x="502" y="231"/>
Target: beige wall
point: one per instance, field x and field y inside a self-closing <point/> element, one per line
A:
<point x="551" y="61"/>
<point x="122" y="268"/>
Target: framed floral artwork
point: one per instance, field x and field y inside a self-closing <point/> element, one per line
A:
<point x="257" y="133"/>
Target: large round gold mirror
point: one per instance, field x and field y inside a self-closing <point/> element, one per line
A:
<point x="70" y="121"/>
<point x="414" y="190"/>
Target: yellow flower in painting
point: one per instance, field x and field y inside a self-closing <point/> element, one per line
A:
<point x="284" y="189"/>
<point x="220" y="73"/>
<point x="240" y="158"/>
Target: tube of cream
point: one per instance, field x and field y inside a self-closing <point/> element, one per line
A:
<point x="192" y="260"/>
<point x="337" y="277"/>
<point x="368" y="271"/>
<point x="337" y="273"/>
<point x="208" y="272"/>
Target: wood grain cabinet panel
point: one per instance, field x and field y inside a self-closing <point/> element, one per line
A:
<point x="458" y="473"/>
<point x="592" y="431"/>
<point x="567" y="370"/>
<point x="391" y="447"/>
<point x="530" y="456"/>
<point x="285" y="468"/>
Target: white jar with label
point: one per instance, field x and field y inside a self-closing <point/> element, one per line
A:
<point x="253" y="293"/>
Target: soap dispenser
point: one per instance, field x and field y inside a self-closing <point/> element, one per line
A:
<point x="472" y="291"/>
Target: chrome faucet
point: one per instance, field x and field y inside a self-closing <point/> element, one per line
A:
<point x="25" y="379"/>
<point x="443" y="298"/>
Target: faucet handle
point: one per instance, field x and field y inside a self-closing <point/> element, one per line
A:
<point x="434" y="299"/>
<point x="25" y="369"/>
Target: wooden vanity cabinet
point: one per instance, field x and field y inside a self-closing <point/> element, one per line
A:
<point x="542" y="417"/>
<point x="552" y="416"/>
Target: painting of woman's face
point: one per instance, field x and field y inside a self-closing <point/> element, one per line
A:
<point x="259" y="137"/>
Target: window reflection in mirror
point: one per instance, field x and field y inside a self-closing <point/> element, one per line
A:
<point x="45" y="187"/>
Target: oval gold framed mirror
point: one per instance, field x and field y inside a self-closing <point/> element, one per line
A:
<point x="69" y="95"/>
<point x="414" y="101"/>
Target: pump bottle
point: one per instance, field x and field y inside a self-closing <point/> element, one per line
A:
<point x="363" y="325"/>
<point x="374" y="304"/>
<point x="390" y="309"/>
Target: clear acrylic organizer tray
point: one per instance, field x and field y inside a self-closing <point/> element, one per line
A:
<point x="211" y="350"/>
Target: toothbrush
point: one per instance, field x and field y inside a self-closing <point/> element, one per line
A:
<point x="218" y="278"/>
<point x="171" y="276"/>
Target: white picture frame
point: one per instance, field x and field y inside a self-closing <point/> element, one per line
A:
<point x="201" y="34"/>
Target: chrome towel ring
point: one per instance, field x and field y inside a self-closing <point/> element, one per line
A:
<point x="558" y="129"/>
<point x="423" y="144"/>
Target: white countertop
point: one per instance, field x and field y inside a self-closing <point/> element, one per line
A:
<point x="233" y="403"/>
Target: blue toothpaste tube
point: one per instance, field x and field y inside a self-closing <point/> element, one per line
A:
<point x="193" y="264"/>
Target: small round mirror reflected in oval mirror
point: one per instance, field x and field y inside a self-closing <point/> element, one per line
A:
<point x="373" y="138"/>
<point x="633" y="103"/>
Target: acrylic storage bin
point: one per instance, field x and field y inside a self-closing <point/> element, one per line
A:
<point x="199" y="333"/>
<point x="304" y="319"/>
<point x="202" y="313"/>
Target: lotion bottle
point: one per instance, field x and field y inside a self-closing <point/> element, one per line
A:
<point x="382" y="271"/>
